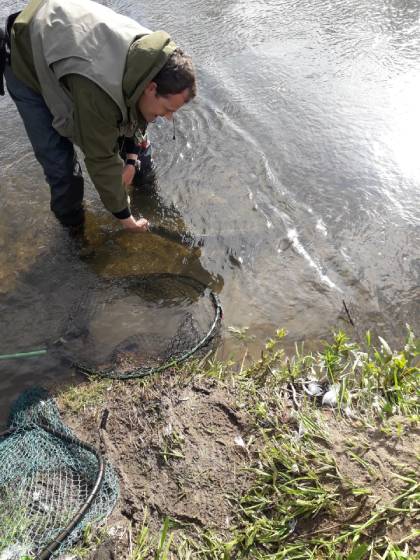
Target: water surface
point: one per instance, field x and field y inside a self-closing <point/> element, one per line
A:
<point x="297" y="167"/>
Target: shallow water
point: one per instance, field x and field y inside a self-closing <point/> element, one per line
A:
<point x="297" y="167"/>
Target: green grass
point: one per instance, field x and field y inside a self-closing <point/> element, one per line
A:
<point x="88" y="395"/>
<point x="14" y="524"/>
<point x="300" y="504"/>
<point x="373" y="378"/>
<point x="300" y="507"/>
<point x="172" y="445"/>
<point x="155" y="547"/>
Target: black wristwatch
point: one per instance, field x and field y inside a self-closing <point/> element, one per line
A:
<point x="131" y="162"/>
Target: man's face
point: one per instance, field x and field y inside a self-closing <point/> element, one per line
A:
<point x="152" y="105"/>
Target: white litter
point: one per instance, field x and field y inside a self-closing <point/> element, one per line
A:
<point x="331" y="396"/>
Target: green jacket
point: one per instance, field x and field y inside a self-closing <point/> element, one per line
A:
<point x="97" y="118"/>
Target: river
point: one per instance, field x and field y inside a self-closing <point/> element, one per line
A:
<point x="297" y="166"/>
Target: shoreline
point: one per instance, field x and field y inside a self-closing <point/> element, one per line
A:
<point x="224" y="460"/>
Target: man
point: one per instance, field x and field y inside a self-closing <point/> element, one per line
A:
<point x="82" y="74"/>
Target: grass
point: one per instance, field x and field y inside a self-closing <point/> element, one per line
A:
<point x="300" y="505"/>
<point x="91" y="538"/>
<point x="172" y="446"/>
<point x="376" y="379"/>
<point x="14" y="524"/>
<point x="88" y="395"/>
<point x="302" y="502"/>
<point x="27" y="520"/>
<point x="147" y="546"/>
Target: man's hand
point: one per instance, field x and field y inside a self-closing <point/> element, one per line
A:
<point x="128" y="174"/>
<point x="133" y="225"/>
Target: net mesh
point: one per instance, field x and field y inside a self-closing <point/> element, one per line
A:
<point x="46" y="477"/>
<point x="162" y="319"/>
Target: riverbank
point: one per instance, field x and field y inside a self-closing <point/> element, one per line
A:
<point x="297" y="457"/>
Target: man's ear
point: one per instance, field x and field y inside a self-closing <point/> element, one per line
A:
<point x="151" y="88"/>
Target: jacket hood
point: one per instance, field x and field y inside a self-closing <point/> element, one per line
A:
<point x="146" y="57"/>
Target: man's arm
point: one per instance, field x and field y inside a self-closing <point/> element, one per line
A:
<point x="96" y="131"/>
<point x="130" y="151"/>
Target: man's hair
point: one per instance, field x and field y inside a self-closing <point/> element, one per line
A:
<point x="177" y="75"/>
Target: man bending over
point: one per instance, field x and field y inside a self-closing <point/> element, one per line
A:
<point x="82" y="74"/>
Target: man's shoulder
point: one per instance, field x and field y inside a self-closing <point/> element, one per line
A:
<point x="26" y="15"/>
<point x="86" y="90"/>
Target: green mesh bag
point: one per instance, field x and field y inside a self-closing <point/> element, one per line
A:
<point x="52" y="485"/>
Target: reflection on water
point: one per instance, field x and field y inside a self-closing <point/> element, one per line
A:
<point x="296" y="173"/>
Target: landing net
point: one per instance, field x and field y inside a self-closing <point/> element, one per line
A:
<point x="52" y="485"/>
<point x="135" y="326"/>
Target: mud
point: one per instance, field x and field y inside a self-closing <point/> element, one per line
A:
<point x="179" y="445"/>
<point x="178" y="450"/>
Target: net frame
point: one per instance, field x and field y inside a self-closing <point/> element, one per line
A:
<point x="57" y="541"/>
<point x="144" y="371"/>
<point x="52" y="484"/>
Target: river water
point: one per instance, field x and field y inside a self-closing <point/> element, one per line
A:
<point x="297" y="167"/>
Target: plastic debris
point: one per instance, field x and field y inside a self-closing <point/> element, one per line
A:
<point x="314" y="389"/>
<point x="331" y="396"/>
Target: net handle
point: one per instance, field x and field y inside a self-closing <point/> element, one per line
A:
<point x="46" y="552"/>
